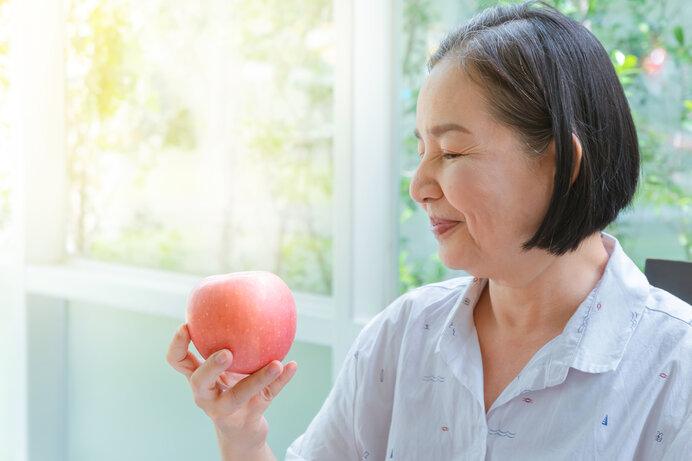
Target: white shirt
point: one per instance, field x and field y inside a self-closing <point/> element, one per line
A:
<point x="616" y="384"/>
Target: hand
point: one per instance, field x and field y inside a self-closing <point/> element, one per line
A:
<point x="234" y="402"/>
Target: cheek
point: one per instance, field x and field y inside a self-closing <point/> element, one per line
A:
<point x="523" y="205"/>
<point x="479" y="196"/>
<point x="499" y="204"/>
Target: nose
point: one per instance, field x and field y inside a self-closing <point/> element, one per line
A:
<point x="424" y="187"/>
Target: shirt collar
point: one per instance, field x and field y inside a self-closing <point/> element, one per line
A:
<point x="458" y="341"/>
<point x="459" y="322"/>
<point x="603" y="324"/>
<point x="593" y="340"/>
<point x="596" y="336"/>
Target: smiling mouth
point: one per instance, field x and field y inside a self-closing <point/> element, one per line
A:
<point x="444" y="227"/>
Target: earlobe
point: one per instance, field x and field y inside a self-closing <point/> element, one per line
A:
<point x="576" y="161"/>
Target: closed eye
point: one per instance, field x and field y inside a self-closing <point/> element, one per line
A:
<point x="446" y="156"/>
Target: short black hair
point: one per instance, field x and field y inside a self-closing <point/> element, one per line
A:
<point x="548" y="77"/>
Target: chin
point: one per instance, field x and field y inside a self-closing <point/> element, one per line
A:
<point x="453" y="262"/>
<point x="462" y="261"/>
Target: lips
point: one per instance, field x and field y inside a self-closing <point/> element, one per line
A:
<point x="439" y="226"/>
<point x="435" y="221"/>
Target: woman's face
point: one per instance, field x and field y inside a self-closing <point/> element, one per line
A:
<point x="477" y="174"/>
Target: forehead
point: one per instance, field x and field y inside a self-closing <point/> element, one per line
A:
<point x="448" y="95"/>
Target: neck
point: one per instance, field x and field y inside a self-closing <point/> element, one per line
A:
<point x="541" y="303"/>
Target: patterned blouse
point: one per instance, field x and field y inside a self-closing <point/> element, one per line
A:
<point x="616" y="384"/>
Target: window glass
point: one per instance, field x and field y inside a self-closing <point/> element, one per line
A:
<point x="200" y="135"/>
<point x="652" y="54"/>
<point x="6" y="153"/>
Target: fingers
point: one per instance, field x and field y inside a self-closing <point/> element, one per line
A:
<point x="178" y="355"/>
<point x="228" y="379"/>
<point x="224" y="382"/>
<point x="204" y="380"/>
<point x="253" y="384"/>
<point x="271" y="391"/>
<point x="259" y="389"/>
<point x="220" y="392"/>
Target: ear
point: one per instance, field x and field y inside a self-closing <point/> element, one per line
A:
<point x="576" y="161"/>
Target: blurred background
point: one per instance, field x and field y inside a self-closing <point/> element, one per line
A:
<point x="146" y="144"/>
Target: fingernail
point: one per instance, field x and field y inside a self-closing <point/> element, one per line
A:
<point x="274" y="371"/>
<point x="221" y="357"/>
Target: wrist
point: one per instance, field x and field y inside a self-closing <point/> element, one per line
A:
<point x="234" y="451"/>
<point x="263" y="454"/>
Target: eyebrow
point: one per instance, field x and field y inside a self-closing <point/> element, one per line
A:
<point x="439" y="130"/>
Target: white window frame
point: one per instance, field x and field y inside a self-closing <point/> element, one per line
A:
<point x="46" y="281"/>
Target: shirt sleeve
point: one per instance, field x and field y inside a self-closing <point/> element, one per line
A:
<point x="331" y="434"/>
<point x="355" y="419"/>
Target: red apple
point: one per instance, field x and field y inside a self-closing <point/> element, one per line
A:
<point x="252" y="314"/>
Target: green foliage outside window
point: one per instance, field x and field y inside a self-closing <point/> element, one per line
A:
<point x="653" y="59"/>
<point x="112" y="106"/>
<point x="124" y="107"/>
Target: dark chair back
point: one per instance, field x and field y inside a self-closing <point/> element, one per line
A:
<point x="673" y="276"/>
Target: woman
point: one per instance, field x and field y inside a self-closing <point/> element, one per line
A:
<point x="557" y="348"/>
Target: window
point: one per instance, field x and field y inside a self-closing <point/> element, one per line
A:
<point x="199" y="136"/>
<point x="6" y="151"/>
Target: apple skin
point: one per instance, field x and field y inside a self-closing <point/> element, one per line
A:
<point x="252" y="314"/>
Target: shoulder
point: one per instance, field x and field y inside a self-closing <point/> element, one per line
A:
<point x="667" y="320"/>
<point x="422" y="302"/>
<point x="426" y="302"/>
<point x="660" y="358"/>
<point x="669" y="309"/>
<point x="664" y="335"/>
<point x="666" y="324"/>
